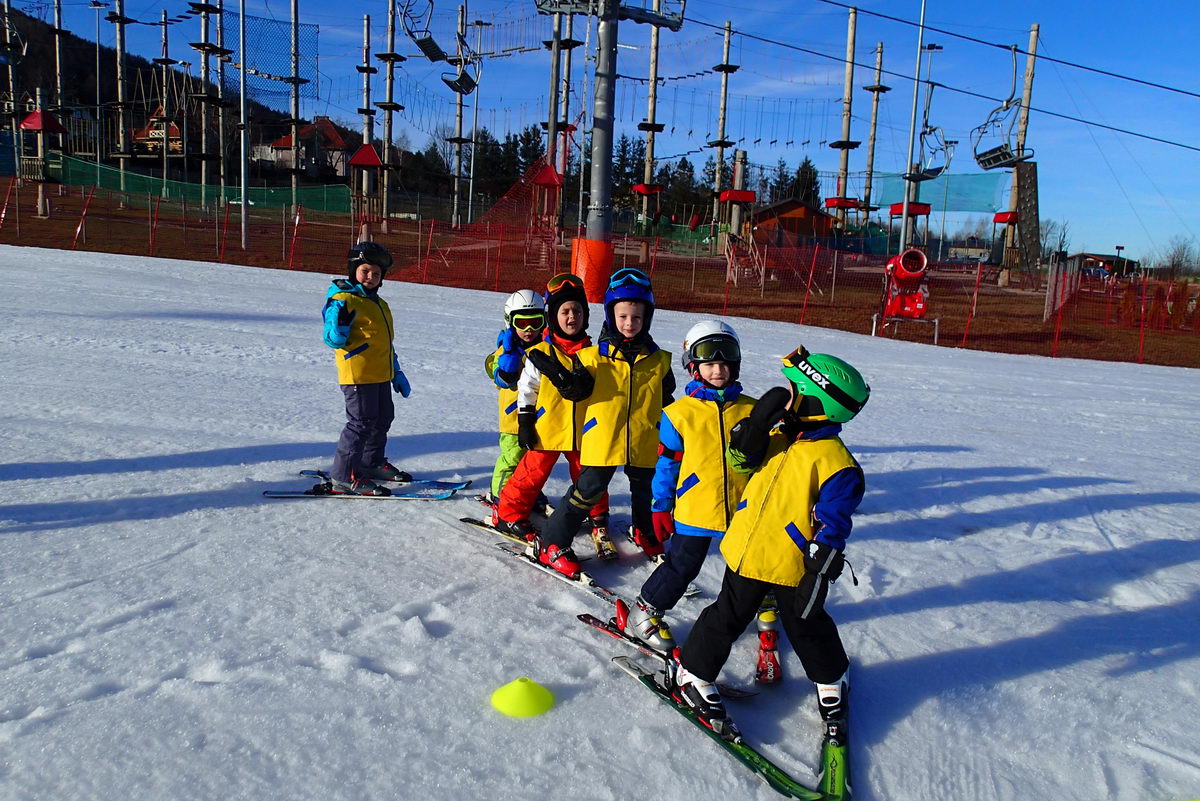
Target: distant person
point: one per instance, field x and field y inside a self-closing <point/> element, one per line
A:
<point x="358" y="326"/>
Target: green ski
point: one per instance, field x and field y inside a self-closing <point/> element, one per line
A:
<point x="833" y="784"/>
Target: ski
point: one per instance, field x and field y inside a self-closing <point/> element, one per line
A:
<point x="416" y="482"/>
<point x="542" y="507"/>
<point x="584" y="583"/>
<point x="832" y="786"/>
<point x="729" y="692"/>
<point x="323" y="491"/>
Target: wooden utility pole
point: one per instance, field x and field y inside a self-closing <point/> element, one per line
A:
<point x="368" y="113"/>
<point x="720" y="143"/>
<point x="1014" y="196"/>
<point x="651" y="126"/>
<point x="844" y="144"/>
<point x="552" y="116"/>
<point x="876" y="89"/>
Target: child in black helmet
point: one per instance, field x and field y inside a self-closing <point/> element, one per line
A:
<point x="358" y="326"/>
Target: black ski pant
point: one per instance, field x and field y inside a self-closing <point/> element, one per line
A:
<point x="815" y="640"/>
<point x="681" y="564"/>
<point x="586" y="492"/>
<point x="369" y="415"/>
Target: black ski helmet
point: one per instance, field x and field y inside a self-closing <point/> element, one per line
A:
<point x="562" y="289"/>
<point x="368" y="252"/>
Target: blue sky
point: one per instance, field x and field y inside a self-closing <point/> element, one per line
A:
<point x="1113" y="189"/>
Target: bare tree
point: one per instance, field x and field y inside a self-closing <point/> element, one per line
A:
<point x="1055" y="236"/>
<point x="1180" y="257"/>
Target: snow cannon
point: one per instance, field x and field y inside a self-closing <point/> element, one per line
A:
<point x="906" y="290"/>
<point x="522" y="698"/>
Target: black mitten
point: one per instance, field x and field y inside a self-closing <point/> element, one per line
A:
<point x="527" y="436"/>
<point x="822" y="564"/>
<point x="575" y="384"/>
<point x="748" y="439"/>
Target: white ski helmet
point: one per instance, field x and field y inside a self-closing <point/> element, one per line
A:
<point x="711" y="341"/>
<point x="523" y="302"/>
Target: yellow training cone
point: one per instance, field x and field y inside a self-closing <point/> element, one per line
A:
<point x="522" y="698"/>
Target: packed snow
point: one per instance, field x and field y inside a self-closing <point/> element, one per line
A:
<point x="1025" y="623"/>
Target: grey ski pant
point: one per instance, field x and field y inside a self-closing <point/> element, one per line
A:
<point x="369" y="415"/>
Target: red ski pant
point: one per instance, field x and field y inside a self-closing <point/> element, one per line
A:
<point x="521" y="491"/>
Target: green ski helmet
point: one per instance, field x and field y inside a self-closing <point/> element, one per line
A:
<point x="826" y="382"/>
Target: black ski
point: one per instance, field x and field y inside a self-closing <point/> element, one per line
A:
<point x="583" y="583"/>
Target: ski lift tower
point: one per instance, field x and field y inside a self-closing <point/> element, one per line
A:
<point x="592" y="254"/>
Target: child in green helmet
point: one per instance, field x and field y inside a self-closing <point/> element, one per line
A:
<point x="787" y="535"/>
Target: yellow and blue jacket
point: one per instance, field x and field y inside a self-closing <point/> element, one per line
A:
<point x="559" y="421"/>
<point x="509" y="345"/>
<point x="806" y="489"/>
<point x="621" y="420"/>
<point x="691" y="477"/>
<point x="364" y="350"/>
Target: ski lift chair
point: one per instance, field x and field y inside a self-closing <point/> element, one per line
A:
<point x="935" y="155"/>
<point x="993" y="140"/>
<point x="466" y="79"/>
<point x="416" y="26"/>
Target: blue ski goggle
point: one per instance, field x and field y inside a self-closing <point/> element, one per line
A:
<point x="628" y="275"/>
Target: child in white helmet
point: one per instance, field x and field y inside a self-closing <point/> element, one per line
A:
<point x="695" y="492"/>
<point x="524" y="323"/>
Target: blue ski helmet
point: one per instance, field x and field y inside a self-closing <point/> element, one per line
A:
<point x="628" y="284"/>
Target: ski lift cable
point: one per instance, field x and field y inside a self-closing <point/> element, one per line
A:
<point x="1065" y="63"/>
<point x="954" y="89"/>
<point x="1115" y="175"/>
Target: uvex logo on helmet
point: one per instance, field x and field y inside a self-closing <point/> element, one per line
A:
<point x="814" y="374"/>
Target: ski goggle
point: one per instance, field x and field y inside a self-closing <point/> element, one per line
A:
<point x="799" y="360"/>
<point x="524" y="322"/>
<point x="716" y="349"/>
<point x="563" y="280"/>
<point x="371" y="253"/>
<point x="628" y="275"/>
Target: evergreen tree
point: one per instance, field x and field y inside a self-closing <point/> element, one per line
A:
<point x="781" y="183"/>
<point x="808" y="185"/>
<point x="531" y="146"/>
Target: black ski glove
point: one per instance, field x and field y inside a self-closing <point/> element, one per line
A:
<point x="575" y="384"/>
<point x="822" y="564"/>
<point x="748" y="439"/>
<point x="346" y="316"/>
<point x="823" y="560"/>
<point x="527" y="436"/>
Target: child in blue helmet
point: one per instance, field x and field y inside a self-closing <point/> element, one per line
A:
<point x="626" y="379"/>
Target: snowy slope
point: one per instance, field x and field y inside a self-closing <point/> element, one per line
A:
<point x="1025" y="626"/>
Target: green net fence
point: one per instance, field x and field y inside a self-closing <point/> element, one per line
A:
<point x="950" y="192"/>
<point x="77" y="172"/>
